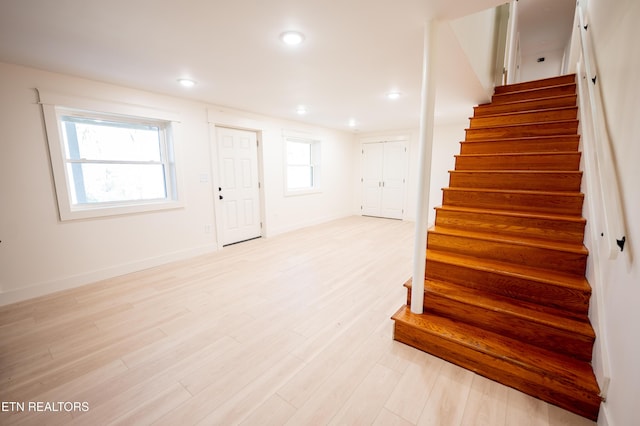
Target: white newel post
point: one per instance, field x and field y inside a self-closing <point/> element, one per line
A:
<point x="424" y="163"/>
<point x="512" y="47"/>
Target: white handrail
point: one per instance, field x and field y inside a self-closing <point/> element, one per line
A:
<point x="613" y="230"/>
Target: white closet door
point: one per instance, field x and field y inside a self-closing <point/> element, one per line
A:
<point x="393" y="180"/>
<point x="383" y="179"/>
<point x="372" y="178"/>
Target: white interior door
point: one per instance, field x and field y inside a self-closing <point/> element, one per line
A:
<point x="371" y="178"/>
<point x="393" y="166"/>
<point x="383" y="179"/>
<point x="239" y="192"/>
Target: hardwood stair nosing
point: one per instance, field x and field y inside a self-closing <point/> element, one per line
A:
<point x="524" y="101"/>
<point x="520" y="241"/>
<point x="542" y="139"/>
<point x="536" y="89"/>
<point x="540" y="83"/>
<point x="528" y="273"/>
<point x="545" y="123"/>
<point x="581" y="398"/>
<point x="506" y="323"/>
<point x="499" y="222"/>
<point x="549" y="316"/>
<point x="511" y="213"/>
<point x="531" y="179"/>
<point x="516" y="191"/>
<point x="566" y="262"/>
<point x="519" y="113"/>
<point x="497" y="147"/>
<point x="520" y="154"/>
<point x="520" y="171"/>
<point x="563" y="366"/>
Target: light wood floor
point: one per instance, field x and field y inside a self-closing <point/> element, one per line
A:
<point x="293" y="330"/>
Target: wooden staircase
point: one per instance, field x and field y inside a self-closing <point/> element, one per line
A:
<point x="505" y="292"/>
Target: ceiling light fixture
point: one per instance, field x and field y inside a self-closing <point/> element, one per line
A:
<point x="393" y="95"/>
<point x="352" y="122"/>
<point x="185" y="82"/>
<point x="292" y="38"/>
<point x="301" y="110"/>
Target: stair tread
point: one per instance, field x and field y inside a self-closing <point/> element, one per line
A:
<point x="529" y="311"/>
<point x="550" y="277"/>
<point x="542" y="362"/>
<point x="519" y="113"/>
<point x="520" y="154"/>
<point x="542" y="138"/>
<point x="543" y="123"/>
<point x="516" y="191"/>
<point x="534" y="89"/>
<point x="540" y="83"/>
<point x="520" y="171"/>
<point x="524" y="101"/>
<point x="524" y="241"/>
<point x="532" y="215"/>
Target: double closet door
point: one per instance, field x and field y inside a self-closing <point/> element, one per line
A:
<point x="383" y="179"/>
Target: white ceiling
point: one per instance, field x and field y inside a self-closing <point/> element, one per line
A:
<point x="355" y="51"/>
<point x="545" y="25"/>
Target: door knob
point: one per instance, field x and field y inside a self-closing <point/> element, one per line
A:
<point x="221" y="197"/>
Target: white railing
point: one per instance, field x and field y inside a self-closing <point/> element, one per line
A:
<point x="600" y="166"/>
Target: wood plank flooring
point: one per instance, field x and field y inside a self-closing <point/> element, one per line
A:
<point x="293" y="330"/>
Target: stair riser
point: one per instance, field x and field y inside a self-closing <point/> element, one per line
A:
<point x="522" y="131"/>
<point x="564" y="90"/>
<point x="561" y="261"/>
<point x="570" y="113"/>
<point x="495" y="368"/>
<point x="517" y="287"/>
<point x="570" y="204"/>
<point x="493" y="109"/>
<point x="556" y="161"/>
<point x="535" y="333"/>
<point x="554" y="230"/>
<point x="524" y="146"/>
<point x="537" y="84"/>
<point x="533" y="181"/>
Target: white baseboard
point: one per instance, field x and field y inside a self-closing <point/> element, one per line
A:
<point x="66" y="283"/>
<point x="604" y="418"/>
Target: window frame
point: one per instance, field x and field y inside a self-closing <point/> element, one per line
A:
<point x="55" y="107"/>
<point x="314" y="164"/>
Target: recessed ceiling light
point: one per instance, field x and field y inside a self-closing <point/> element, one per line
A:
<point x="393" y="95"/>
<point x="186" y="82"/>
<point x="292" y="38"/>
<point x="352" y="122"/>
<point x="301" y="110"/>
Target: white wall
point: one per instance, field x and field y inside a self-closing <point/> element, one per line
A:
<point x="614" y="31"/>
<point x="477" y="35"/>
<point x="39" y="254"/>
<point x="446" y="144"/>
<point x="531" y="69"/>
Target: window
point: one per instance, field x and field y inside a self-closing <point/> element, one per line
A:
<point x="302" y="166"/>
<point x="106" y="164"/>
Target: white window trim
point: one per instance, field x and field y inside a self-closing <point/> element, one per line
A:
<point x="54" y="105"/>
<point x="316" y="162"/>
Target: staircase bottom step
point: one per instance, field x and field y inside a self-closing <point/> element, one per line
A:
<point x="562" y="381"/>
